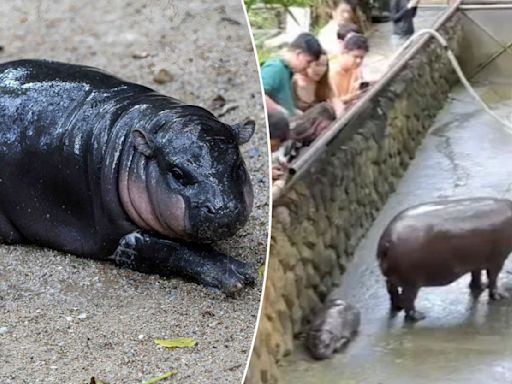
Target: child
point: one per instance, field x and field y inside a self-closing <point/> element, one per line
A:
<point x="279" y="127"/>
<point x="344" y="30"/>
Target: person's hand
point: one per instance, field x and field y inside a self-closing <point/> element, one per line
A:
<point x="352" y="96"/>
<point x="284" y="111"/>
<point x="273" y="107"/>
<point x="338" y="105"/>
<point x="277" y="172"/>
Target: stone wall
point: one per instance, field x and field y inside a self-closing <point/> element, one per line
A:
<point x="318" y="223"/>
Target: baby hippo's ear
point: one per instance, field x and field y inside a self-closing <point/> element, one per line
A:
<point x="143" y="141"/>
<point x="244" y="130"/>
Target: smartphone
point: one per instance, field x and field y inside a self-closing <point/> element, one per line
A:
<point x="364" y="85"/>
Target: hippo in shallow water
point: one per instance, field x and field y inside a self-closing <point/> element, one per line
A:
<point x="106" y="169"/>
<point x="335" y="324"/>
<point x="434" y="244"/>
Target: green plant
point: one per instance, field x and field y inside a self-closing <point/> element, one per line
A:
<point x="283" y="3"/>
<point x="264" y="54"/>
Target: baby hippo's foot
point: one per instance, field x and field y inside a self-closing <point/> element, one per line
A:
<point x="223" y="272"/>
<point x="497" y="294"/>
<point x="149" y="254"/>
<point x="413" y="316"/>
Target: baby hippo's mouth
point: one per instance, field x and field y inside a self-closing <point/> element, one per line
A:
<point x="207" y="224"/>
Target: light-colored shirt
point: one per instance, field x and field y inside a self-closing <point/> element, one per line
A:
<point x="328" y="37"/>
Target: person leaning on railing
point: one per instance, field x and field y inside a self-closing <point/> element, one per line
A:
<point x="346" y="72"/>
<point x="279" y="128"/>
<point x="276" y="73"/>
<point x="312" y="86"/>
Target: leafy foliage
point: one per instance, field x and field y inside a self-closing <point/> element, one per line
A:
<point x="180" y="342"/>
<point x="284" y="3"/>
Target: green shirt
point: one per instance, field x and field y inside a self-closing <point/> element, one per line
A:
<point x="276" y="77"/>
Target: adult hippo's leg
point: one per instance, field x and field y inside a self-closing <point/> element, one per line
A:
<point x="394" y="295"/>
<point x="492" y="275"/>
<point x="149" y="254"/>
<point x="476" y="281"/>
<point x="409" y="294"/>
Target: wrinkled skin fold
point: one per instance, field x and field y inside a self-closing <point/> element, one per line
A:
<point x="106" y="169"/>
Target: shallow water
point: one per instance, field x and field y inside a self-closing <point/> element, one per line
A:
<point x="466" y="153"/>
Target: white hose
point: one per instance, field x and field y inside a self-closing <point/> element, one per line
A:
<point x="457" y="68"/>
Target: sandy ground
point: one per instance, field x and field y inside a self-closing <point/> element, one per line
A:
<point x="65" y="319"/>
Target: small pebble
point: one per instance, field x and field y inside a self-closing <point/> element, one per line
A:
<point x="141" y="337"/>
<point x="3" y="330"/>
<point x="254" y="152"/>
<point x="140" y="55"/>
<point x="82" y="316"/>
<point x="69" y="318"/>
<point x="163" y="76"/>
<point x="218" y="102"/>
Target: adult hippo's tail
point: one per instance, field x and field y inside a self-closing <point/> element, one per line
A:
<point x="382" y="252"/>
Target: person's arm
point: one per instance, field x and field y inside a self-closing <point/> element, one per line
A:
<point x="270" y="86"/>
<point x="414" y="7"/>
<point x="397" y="13"/>
<point x="272" y="106"/>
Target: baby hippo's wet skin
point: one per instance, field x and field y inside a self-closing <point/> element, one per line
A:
<point x="434" y="244"/>
<point x="106" y="169"/>
<point x="333" y="327"/>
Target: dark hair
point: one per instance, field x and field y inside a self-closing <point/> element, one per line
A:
<point x="323" y="90"/>
<point x="345" y="29"/>
<point x="278" y="125"/>
<point x="355" y="41"/>
<point x="307" y="43"/>
<point x="351" y="3"/>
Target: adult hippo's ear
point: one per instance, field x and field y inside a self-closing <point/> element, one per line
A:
<point x="244" y="130"/>
<point x="143" y="141"/>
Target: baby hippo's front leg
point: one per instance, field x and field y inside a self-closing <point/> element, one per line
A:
<point x="149" y="254"/>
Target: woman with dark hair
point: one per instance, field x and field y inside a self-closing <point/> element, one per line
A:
<point x="312" y="86"/>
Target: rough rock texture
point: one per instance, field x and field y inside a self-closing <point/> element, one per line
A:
<point x="64" y="319"/>
<point x="318" y="223"/>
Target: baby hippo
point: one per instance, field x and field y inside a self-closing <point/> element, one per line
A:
<point x="434" y="244"/>
<point x="334" y="326"/>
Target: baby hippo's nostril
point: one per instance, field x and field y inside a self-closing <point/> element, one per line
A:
<point x="209" y="209"/>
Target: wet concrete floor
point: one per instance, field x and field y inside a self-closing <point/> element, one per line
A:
<point x="467" y="153"/>
<point x="381" y="50"/>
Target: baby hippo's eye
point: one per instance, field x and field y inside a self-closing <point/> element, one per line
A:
<point x="177" y="174"/>
<point x="181" y="176"/>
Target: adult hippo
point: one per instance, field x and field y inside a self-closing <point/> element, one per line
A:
<point x="106" y="169"/>
<point x="434" y="244"/>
